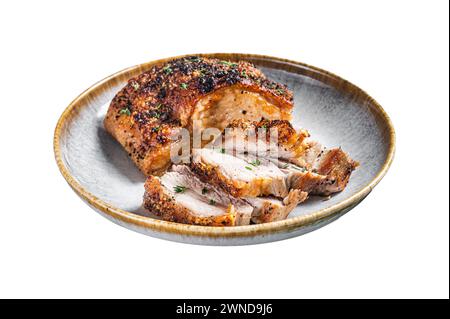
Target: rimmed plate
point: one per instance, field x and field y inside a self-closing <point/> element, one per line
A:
<point x="336" y="112"/>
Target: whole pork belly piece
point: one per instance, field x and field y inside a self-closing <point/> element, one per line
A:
<point x="155" y="105"/>
<point x="172" y="198"/>
<point x="239" y="177"/>
<point x="270" y="209"/>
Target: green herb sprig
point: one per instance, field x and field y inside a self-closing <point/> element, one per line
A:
<point x="125" y="111"/>
<point x="179" y="189"/>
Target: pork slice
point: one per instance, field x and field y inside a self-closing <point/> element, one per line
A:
<point x="265" y="139"/>
<point x="337" y="166"/>
<point x="269" y="209"/>
<point x="215" y="195"/>
<point x="320" y="171"/>
<point x="171" y="198"/>
<point x="239" y="177"/>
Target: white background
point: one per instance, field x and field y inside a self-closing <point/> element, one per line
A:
<point x="394" y="244"/>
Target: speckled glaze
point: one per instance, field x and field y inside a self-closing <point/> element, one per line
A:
<point x="336" y="113"/>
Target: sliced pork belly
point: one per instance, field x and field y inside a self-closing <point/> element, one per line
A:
<point x="324" y="173"/>
<point x="181" y="198"/>
<point x="239" y="177"/>
<point x="265" y="139"/>
<point x="270" y="209"/>
<point x="215" y="195"/>
<point x="337" y="166"/>
<point x="309" y="166"/>
<point x="302" y="179"/>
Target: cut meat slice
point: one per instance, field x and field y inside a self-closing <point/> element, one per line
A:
<point x="267" y="139"/>
<point x="329" y="173"/>
<point x="302" y="179"/>
<point x="238" y="177"/>
<point x="337" y="166"/>
<point x="214" y="195"/>
<point x="171" y="198"/>
<point x="269" y="209"/>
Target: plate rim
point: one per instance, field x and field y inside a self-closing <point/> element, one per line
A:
<point x="219" y="231"/>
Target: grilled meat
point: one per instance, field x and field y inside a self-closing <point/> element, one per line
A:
<point x="145" y="117"/>
<point x="239" y="177"/>
<point x="309" y="166"/>
<point x="270" y="209"/>
<point x="275" y="139"/>
<point x="180" y="198"/>
<point x="260" y="168"/>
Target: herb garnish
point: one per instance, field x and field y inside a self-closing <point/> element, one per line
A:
<point x="205" y="190"/>
<point x="125" y="111"/>
<point x="256" y="162"/>
<point x="135" y="85"/>
<point x="222" y="150"/>
<point x="184" y="86"/>
<point x="244" y="74"/>
<point x="298" y="168"/>
<point x="156" y="115"/>
<point x="228" y="63"/>
<point x="179" y="189"/>
<point x="280" y="91"/>
<point x="167" y="69"/>
<point x="249" y="168"/>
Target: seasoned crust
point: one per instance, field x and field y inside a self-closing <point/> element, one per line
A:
<point x="162" y="204"/>
<point x="337" y="166"/>
<point x="153" y="105"/>
<point x="258" y="185"/>
<point x="288" y="138"/>
<point x="270" y="211"/>
<point x="212" y="175"/>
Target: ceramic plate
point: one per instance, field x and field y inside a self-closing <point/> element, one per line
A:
<point x="336" y="112"/>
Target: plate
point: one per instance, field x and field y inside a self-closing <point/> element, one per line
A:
<point x="336" y="113"/>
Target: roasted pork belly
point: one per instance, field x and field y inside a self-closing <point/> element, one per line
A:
<point x="256" y="171"/>
<point x="146" y="116"/>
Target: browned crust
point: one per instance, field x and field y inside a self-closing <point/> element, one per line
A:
<point x="288" y="138"/>
<point x="146" y="111"/>
<point x="259" y="186"/>
<point x="212" y="175"/>
<point x="337" y="166"/>
<point x="270" y="212"/>
<point x="162" y="204"/>
<point x="307" y="181"/>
